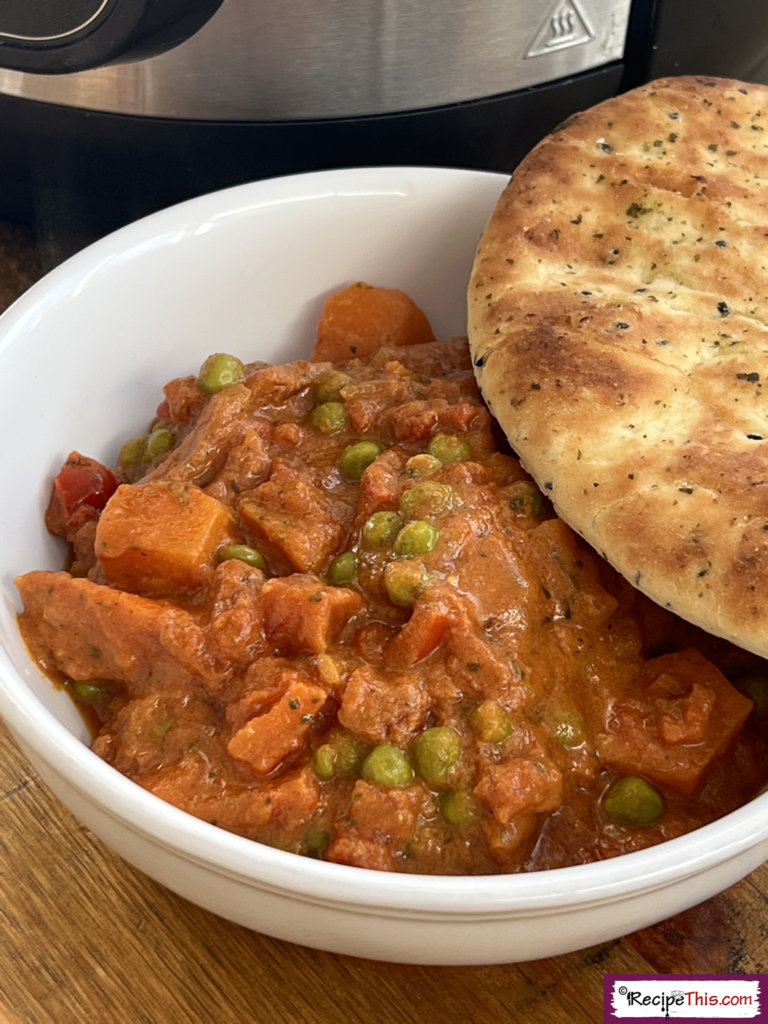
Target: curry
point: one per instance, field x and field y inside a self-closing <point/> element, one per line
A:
<point x="322" y="606"/>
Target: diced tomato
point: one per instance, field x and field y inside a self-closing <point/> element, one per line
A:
<point x="81" y="489"/>
<point x="183" y="400"/>
<point x="163" y="410"/>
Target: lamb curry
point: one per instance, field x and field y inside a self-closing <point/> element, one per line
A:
<point x="322" y="605"/>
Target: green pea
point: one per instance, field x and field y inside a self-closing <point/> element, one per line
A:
<point x="160" y="441"/>
<point x="422" y="464"/>
<point x="87" y="691"/>
<point x="329" y="418"/>
<point x="132" y="452"/>
<point x="324" y="762"/>
<point x="754" y="685"/>
<point x="219" y="371"/>
<point x="491" y="721"/>
<point x="163" y="725"/>
<point x="568" y="728"/>
<point x="350" y="753"/>
<point x="436" y="752"/>
<point x="341" y="754"/>
<point x="343" y="568"/>
<point x="449" y="448"/>
<point x="327" y="387"/>
<point x="381" y="529"/>
<point x="525" y="499"/>
<point x="633" y="801"/>
<point x="315" y="841"/>
<point x="417" y="538"/>
<point x="429" y="498"/>
<point x="404" y="582"/>
<point x="243" y="553"/>
<point x="356" y="458"/>
<point x="387" y="765"/>
<point x="457" y="806"/>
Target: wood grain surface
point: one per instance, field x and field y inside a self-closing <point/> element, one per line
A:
<point x="84" y="937"/>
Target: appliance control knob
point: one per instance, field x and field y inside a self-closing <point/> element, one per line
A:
<point x="51" y="37"/>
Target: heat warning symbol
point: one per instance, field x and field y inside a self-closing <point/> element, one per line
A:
<point x="565" y="25"/>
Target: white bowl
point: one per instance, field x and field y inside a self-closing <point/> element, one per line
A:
<point x="82" y="357"/>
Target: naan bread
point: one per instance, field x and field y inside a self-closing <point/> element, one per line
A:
<point x="618" y="322"/>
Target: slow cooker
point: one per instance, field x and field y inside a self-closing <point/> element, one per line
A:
<point x="110" y="109"/>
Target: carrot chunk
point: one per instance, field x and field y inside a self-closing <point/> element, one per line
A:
<point x="265" y="740"/>
<point x="159" y="537"/>
<point x="420" y="636"/>
<point x="301" y="613"/>
<point x="358" y="320"/>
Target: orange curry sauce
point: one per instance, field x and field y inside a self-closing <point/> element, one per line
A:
<point x="396" y="658"/>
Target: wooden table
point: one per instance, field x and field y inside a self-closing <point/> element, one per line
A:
<point x="86" y="938"/>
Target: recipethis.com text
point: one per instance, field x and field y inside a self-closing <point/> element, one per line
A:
<point x="738" y="997"/>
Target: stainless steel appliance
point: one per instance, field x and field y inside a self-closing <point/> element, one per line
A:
<point x="112" y="108"/>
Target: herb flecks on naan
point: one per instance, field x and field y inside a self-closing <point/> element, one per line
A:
<point x="618" y="321"/>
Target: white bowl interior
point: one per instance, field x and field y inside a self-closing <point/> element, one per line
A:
<point x="84" y="354"/>
<point x="83" y="357"/>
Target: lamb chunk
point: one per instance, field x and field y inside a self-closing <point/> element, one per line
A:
<point x="294" y="519"/>
<point x="381" y="821"/>
<point x="88" y="631"/>
<point x="237" y="614"/>
<point x="391" y="811"/>
<point x="294" y="799"/>
<point x="520" y="785"/>
<point x="275" y="387"/>
<point x="361" y="852"/>
<point x="366" y="401"/>
<point x="246" y="466"/>
<point x="422" y="633"/>
<point x="83" y="554"/>
<point x="234" y="582"/>
<point x="415" y="421"/>
<point x="380" y="484"/>
<point x="154" y="729"/>
<point x="430" y="358"/>
<point x="262" y="683"/>
<point x="189" y="784"/>
<point x="203" y="451"/>
<point x="441" y="617"/>
<point x="183" y="400"/>
<point x="446" y="620"/>
<point x="420" y="419"/>
<point x="379" y="710"/>
<point x="683" y="713"/>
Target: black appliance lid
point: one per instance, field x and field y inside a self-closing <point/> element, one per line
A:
<point x="49" y="37"/>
